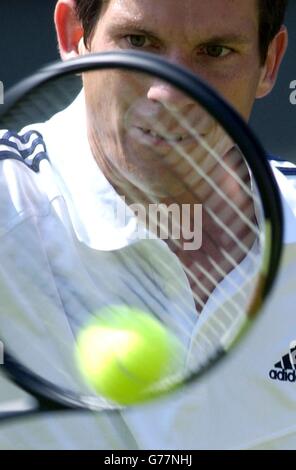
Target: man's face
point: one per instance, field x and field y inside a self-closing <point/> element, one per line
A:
<point x="215" y="39"/>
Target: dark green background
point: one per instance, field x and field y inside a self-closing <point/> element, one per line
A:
<point x="28" y="41"/>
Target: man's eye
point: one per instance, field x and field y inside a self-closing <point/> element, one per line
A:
<point x="137" y="40"/>
<point x="216" y="51"/>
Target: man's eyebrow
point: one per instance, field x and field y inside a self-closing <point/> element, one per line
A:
<point x="228" y="38"/>
<point x="129" y="23"/>
<point x="203" y="37"/>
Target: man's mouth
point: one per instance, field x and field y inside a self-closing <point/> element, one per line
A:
<point x="158" y="138"/>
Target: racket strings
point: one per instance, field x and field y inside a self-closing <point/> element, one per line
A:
<point x="214" y="200"/>
<point x="233" y="261"/>
<point x="242" y="245"/>
<point x="182" y="328"/>
<point x="201" y="140"/>
<point x="215" y="187"/>
<point x="179" y="151"/>
<point x="229" y="259"/>
<point x="218" y="219"/>
<point x="215" y="265"/>
<point x="185" y="304"/>
<point x="198" y="299"/>
<point x="207" y="275"/>
<point x="207" y="344"/>
<point x="217" y="193"/>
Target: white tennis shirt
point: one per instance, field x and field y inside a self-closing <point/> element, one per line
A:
<point x="249" y="401"/>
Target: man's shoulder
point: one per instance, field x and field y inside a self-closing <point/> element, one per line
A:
<point x="21" y="154"/>
<point x="286" y="167"/>
<point x="27" y="147"/>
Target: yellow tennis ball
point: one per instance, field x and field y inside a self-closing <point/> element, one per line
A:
<point x="124" y="351"/>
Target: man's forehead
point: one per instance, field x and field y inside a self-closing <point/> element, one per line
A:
<point x="207" y="17"/>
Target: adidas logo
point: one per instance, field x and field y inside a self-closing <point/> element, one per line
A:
<point x="285" y="369"/>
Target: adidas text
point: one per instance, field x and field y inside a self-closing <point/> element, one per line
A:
<point x="283" y="375"/>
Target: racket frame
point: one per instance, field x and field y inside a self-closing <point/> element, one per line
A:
<point x="49" y="396"/>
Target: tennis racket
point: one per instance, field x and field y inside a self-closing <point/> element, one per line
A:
<point x="139" y="188"/>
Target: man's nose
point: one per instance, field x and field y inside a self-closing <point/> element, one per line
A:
<point x="167" y="94"/>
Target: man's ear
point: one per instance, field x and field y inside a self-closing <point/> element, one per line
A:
<point x="269" y="73"/>
<point x="69" y="29"/>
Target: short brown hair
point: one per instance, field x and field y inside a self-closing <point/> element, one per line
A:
<point x="271" y="18"/>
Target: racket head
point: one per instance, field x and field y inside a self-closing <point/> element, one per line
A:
<point x="51" y="90"/>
